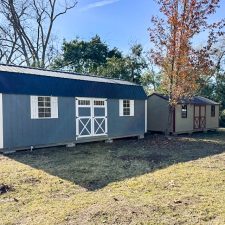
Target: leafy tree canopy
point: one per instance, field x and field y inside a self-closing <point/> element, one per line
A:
<point x="96" y="57"/>
<point x="84" y="56"/>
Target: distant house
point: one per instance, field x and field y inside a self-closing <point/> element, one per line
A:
<point x="43" y="108"/>
<point x="190" y="115"/>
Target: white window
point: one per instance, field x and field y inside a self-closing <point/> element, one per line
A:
<point x="184" y="111"/>
<point x="126" y="107"/>
<point x="84" y="102"/>
<point x="44" y="107"/>
<point x="99" y="102"/>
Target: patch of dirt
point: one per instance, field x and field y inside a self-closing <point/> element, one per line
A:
<point x="4" y="188"/>
<point x="156" y="158"/>
<point x="183" y="202"/>
<point x="31" y="180"/>
<point x="115" y="212"/>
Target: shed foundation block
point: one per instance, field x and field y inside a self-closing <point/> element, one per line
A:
<point x="71" y="145"/>
<point x="141" y="137"/>
<point x="109" y="141"/>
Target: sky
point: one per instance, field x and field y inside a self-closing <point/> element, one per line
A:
<point x="120" y="23"/>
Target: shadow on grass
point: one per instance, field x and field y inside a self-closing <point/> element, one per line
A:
<point x="95" y="165"/>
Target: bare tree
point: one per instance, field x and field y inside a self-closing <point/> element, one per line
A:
<point x="26" y="29"/>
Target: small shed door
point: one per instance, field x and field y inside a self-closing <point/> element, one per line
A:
<point x="203" y="118"/>
<point x="99" y="117"/>
<point x="196" y="117"/>
<point x="199" y="117"/>
<point x="91" y="117"/>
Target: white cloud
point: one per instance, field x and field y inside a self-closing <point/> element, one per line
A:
<point x="99" y="4"/>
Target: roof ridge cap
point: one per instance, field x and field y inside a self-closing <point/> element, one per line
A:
<point x="69" y="73"/>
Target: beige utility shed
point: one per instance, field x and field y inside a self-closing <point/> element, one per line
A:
<point x="191" y="115"/>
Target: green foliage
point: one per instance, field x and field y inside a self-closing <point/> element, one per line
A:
<point x="136" y="62"/>
<point x="84" y="56"/>
<point x="115" y="68"/>
<point x="95" y="57"/>
<point x="220" y="89"/>
<point x="214" y="89"/>
<point x="222" y="118"/>
<point x="151" y="81"/>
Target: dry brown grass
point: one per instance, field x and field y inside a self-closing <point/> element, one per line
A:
<point x="151" y="181"/>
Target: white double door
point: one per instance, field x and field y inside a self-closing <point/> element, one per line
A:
<point x="91" y="117"/>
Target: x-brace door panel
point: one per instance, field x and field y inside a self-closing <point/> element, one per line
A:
<point x="199" y="117"/>
<point x="91" y="117"/>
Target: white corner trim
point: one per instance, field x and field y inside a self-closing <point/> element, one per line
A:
<point x="146" y="116"/>
<point x="1" y="122"/>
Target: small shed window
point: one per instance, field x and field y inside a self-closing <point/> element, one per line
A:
<point x="84" y="102"/>
<point x="184" y="111"/>
<point x="126" y="107"/>
<point x="44" y="107"/>
<point x="213" y="111"/>
<point x="99" y="102"/>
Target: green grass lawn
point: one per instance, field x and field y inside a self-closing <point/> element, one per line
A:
<point x="150" y="181"/>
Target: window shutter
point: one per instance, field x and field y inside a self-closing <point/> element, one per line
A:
<point x="131" y="107"/>
<point x="54" y="107"/>
<point x="34" y="107"/>
<point x="121" y="107"/>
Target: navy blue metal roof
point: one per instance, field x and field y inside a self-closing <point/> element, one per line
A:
<point x="30" y="84"/>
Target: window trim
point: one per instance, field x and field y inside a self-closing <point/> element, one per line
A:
<point x="121" y="107"/>
<point x="184" y="113"/>
<point x="34" y="108"/>
<point x="213" y="112"/>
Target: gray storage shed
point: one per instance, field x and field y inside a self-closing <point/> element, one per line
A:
<point x="190" y="115"/>
<point x="45" y="108"/>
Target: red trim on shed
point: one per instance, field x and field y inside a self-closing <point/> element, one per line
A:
<point x="174" y="120"/>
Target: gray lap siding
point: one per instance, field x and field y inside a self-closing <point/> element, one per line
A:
<point x="22" y="131"/>
<point x="122" y="126"/>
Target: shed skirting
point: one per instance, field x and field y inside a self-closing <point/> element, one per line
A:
<point x="79" y="141"/>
